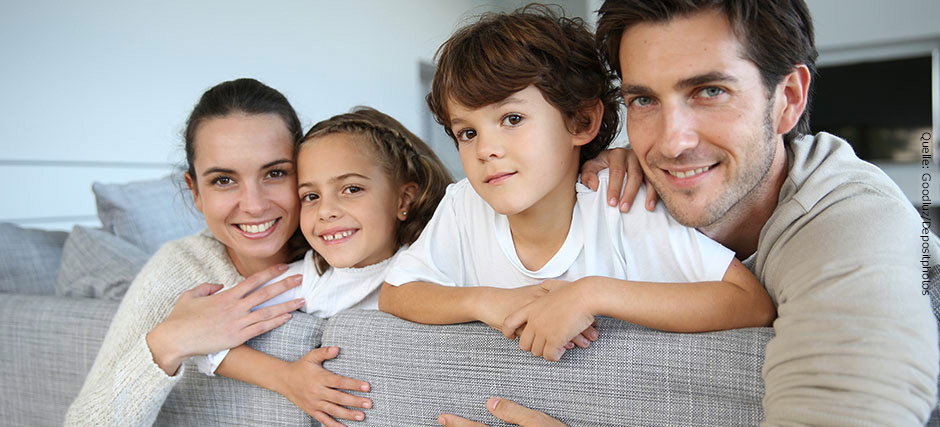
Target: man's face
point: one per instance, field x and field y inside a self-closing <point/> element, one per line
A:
<point x="698" y="115"/>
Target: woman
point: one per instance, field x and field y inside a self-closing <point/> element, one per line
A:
<point x="240" y="141"/>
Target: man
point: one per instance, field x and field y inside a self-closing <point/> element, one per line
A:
<point x="716" y="95"/>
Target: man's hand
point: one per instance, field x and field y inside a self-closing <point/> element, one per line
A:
<point x="553" y="320"/>
<point x="620" y="161"/>
<point x="506" y="410"/>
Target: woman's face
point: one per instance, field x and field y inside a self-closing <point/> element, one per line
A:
<point x="246" y="188"/>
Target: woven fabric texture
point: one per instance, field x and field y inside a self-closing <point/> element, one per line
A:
<point x="630" y="376"/>
<point x="98" y="264"/>
<point x="30" y="259"/>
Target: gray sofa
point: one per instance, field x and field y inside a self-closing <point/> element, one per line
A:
<point x="54" y="322"/>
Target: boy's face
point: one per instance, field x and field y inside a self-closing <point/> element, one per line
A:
<point x="517" y="153"/>
<point x="698" y="114"/>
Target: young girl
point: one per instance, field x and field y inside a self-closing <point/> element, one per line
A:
<point x="367" y="186"/>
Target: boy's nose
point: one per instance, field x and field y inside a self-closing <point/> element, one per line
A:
<point x="488" y="148"/>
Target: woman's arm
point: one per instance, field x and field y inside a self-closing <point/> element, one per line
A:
<point x="737" y="301"/>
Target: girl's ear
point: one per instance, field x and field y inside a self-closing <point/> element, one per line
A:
<point x="406" y="195"/>
<point x="191" y="183"/>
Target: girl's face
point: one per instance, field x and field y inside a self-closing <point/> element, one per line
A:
<point x="245" y="187"/>
<point x="349" y="208"/>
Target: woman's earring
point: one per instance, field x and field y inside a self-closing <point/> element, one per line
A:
<point x="404" y="213"/>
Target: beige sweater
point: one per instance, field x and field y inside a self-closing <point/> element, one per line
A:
<point x="125" y="387"/>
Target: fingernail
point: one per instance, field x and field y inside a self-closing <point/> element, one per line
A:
<point x="492" y="403"/>
<point x="624" y="206"/>
<point x="365" y="387"/>
<point x="297" y="279"/>
<point x="299" y="302"/>
<point x="367" y="404"/>
<point x="650" y="206"/>
<point x="593" y="335"/>
<point x="282" y="267"/>
<point x="360" y="417"/>
<point x="612" y="201"/>
<point x="441" y="420"/>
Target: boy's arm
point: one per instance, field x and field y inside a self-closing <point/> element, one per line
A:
<point x="304" y="382"/>
<point x="430" y="303"/>
<point x="738" y="301"/>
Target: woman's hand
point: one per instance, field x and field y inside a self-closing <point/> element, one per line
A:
<point x="315" y="390"/>
<point x="205" y="320"/>
<point x="506" y="410"/>
<point x="620" y="161"/>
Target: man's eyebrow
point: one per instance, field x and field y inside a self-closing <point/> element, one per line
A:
<point x="712" y="77"/>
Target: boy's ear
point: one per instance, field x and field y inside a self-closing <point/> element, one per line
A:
<point x="588" y="123"/>
<point x="191" y="183"/>
<point x="406" y="195"/>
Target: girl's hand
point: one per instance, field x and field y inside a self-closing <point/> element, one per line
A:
<point x="315" y="390"/>
<point x="205" y="320"/>
<point x="619" y="161"/>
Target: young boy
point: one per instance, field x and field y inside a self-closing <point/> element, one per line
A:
<point x="519" y="244"/>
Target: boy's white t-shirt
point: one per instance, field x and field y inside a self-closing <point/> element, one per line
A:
<point x="467" y="243"/>
<point x="336" y="290"/>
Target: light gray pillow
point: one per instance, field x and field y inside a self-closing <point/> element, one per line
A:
<point x="29" y="259"/>
<point x="148" y="213"/>
<point x="97" y="264"/>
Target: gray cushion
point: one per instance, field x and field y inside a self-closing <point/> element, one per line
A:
<point x="29" y="259"/>
<point x="148" y="213"/>
<point x="97" y="264"/>
<point x="200" y="400"/>
<point x="630" y="376"/>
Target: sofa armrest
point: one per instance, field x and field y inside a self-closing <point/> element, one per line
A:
<point x="47" y="347"/>
<point x="631" y="376"/>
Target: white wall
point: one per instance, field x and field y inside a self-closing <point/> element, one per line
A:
<point x="100" y="90"/>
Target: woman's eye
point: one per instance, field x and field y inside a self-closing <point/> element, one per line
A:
<point x="222" y="181"/>
<point x="352" y="189"/>
<point x="512" y="120"/>
<point x="277" y="173"/>
<point x="466" y="134"/>
<point x="309" y="197"/>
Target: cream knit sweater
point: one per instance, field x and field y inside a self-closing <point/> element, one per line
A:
<point x="125" y="387"/>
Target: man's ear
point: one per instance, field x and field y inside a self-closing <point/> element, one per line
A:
<point x="791" y="98"/>
<point x="191" y="183"/>
<point x="406" y="196"/>
<point x="587" y="123"/>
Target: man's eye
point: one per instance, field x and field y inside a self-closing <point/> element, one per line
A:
<point x="512" y="120"/>
<point x="466" y="134"/>
<point x="641" y="101"/>
<point x="711" y="91"/>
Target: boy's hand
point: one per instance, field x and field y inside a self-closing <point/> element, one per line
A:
<point x="500" y="303"/>
<point x="553" y="321"/>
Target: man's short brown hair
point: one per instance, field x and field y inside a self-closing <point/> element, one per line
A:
<point x="777" y="35"/>
<point x="501" y="54"/>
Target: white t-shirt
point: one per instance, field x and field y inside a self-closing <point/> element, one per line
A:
<point x="467" y="243"/>
<point x="336" y="290"/>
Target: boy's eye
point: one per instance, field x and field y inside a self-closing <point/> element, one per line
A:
<point x="309" y="197"/>
<point x="222" y="181"/>
<point x="512" y="120"/>
<point x="466" y="134"/>
<point x="352" y="189"/>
